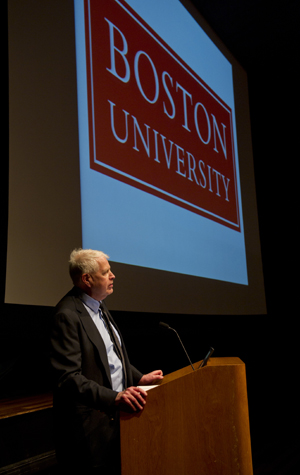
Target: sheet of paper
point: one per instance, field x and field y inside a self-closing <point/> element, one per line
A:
<point x="147" y="388"/>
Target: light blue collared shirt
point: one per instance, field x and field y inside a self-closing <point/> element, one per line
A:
<point x="115" y="364"/>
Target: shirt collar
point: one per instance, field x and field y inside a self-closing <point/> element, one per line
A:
<point x="90" y="302"/>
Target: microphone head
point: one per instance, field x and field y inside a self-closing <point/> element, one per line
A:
<point x="164" y="325"/>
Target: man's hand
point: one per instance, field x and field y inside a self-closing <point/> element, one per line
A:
<point x="151" y="378"/>
<point x="131" y="399"/>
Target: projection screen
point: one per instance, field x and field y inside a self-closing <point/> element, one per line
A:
<point x="130" y="133"/>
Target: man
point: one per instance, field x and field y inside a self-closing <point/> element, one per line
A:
<point x="93" y="376"/>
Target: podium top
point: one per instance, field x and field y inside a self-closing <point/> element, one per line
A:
<point x="217" y="361"/>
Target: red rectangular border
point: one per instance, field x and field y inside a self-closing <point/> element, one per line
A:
<point x="171" y="159"/>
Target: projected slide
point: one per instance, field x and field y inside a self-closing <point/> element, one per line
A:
<point x="159" y="167"/>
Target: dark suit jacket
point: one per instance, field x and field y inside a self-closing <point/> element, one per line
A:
<point x="85" y="419"/>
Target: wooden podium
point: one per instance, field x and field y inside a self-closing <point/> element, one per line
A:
<point x="194" y="423"/>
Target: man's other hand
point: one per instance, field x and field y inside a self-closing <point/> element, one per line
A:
<point x="132" y="399"/>
<point x="151" y="378"/>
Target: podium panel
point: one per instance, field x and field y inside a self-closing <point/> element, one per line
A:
<point x="194" y="423"/>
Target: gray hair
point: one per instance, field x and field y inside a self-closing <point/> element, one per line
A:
<point x="84" y="261"/>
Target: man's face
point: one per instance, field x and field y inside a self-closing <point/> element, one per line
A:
<point x="100" y="283"/>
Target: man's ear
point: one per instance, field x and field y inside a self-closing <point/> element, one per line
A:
<point x="86" y="279"/>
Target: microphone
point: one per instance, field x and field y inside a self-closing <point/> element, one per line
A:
<point x="204" y="362"/>
<point x="167" y="327"/>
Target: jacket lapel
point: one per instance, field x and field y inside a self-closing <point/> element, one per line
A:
<point x="93" y="334"/>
